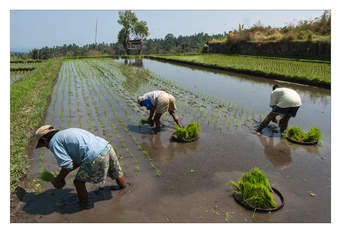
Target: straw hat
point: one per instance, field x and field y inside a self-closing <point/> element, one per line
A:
<point x="45" y="129"/>
<point x="139" y="99"/>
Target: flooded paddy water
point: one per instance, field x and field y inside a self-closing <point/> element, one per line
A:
<point x="15" y="76"/>
<point x="174" y="182"/>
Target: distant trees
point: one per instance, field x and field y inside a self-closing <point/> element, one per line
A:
<point x="130" y="26"/>
<point x="35" y="54"/>
<point x="170" y="44"/>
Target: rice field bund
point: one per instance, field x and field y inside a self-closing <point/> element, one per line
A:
<point x="180" y="182"/>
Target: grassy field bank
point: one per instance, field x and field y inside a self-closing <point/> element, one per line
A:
<point x="28" y="105"/>
<point x="317" y="73"/>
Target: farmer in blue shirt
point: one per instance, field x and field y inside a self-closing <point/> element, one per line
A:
<point x="158" y="102"/>
<point x="75" y="148"/>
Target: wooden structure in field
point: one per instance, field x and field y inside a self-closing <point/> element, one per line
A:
<point x="135" y="45"/>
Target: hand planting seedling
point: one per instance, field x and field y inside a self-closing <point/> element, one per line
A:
<point x="46" y="176"/>
<point x="298" y="135"/>
<point x="255" y="190"/>
<point x="143" y="122"/>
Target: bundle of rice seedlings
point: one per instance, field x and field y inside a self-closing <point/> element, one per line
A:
<point x="255" y="189"/>
<point x="297" y="134"/>
<point x="191" y="131"/>
<point x="314" y="135"/>
<point x="143" y="121"/>
<point x="46" y="176"/>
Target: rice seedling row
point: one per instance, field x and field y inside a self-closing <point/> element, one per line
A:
<point x="158" y="172"/>
<point x="59" y="81"/>
<point x="215" y="102"/>
<point x="69" y="99"/>
<point x="61" y="113"/>
<point x="91" y="88"/>
<point x="125" y="127"/>
<point x="114" y="127"/>
<point x="76" y="80"/>
<point x="97" y="111"/>
<point x="86" y="104"/>
<point x="308" y="70"/>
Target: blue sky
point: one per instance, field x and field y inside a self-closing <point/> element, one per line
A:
<point x="36" y="29"/>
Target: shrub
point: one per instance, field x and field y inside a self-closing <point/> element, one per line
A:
<point x="289" y="37"/>
<point x="255" y="189"/>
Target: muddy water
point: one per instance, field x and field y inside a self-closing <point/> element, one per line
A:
<point x="14" y="77"/>
<point x="192" y="185"/>
<point x="247" y="90"/>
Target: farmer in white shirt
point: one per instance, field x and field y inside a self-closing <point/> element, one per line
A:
<point x="158" y="102"/>
<point x="284" y="102"/>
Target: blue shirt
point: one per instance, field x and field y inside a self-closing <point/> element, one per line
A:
<point x="147" y="103"/>
<point x="76" y="145"/>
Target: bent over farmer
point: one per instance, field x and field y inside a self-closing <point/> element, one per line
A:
<point x="75" y="148"/>
<point x="158" y="102"/>
<point x="284" y="102"/>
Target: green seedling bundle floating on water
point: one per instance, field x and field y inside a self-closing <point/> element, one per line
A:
<point x="298" y="135"/>
<point x="143" y="121"/>
<point x="191" y="131"/>
<point x="255" y="189"/>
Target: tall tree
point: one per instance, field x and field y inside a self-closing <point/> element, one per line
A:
<point x="130" y="26"/>
<point x="140" y="30"/>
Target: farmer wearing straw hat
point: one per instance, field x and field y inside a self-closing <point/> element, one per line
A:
<point x="158" y="102"/>
<point x="75" y="148"/>
<point x="284" y="102"/>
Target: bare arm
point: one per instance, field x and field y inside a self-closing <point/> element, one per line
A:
<point x="151" y="113"/>
<point x="176" y="119"/>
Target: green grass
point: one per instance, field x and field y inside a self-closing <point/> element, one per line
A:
<point x="283" y="67"/>
<point x="28" y="104"/>
<point x="191" y="131"/>
<point x="255" y="189"/>
<point x="297" y="134"/>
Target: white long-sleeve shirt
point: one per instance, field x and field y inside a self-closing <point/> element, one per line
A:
<point x="152" y="95"/>
<point x="285" y="98"/>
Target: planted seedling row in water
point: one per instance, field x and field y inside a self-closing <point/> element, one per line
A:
<point x="125" y="110"/>
<point x="76" y="80"/>
<point x="122" y="164"/>
<point x="69" y="99"/>
<point x="121" y="139"/>
<point x="94" y="104"/>
<point x="61" y="76"/>
<point x="61" y="113"/>
<point x="134" y="139"/>
<point x="84" y="98"/>
<point x="86" y="104"/>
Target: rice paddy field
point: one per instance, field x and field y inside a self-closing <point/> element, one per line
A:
<point x="22" y="69"/>
<point x="315" y="71"/>
<point x="177" y="182"/>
